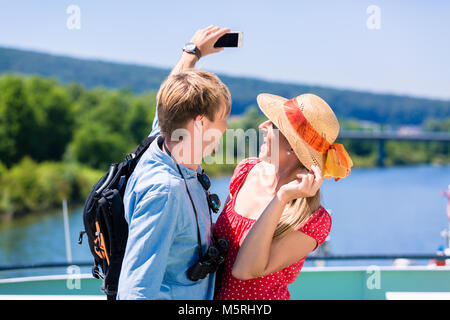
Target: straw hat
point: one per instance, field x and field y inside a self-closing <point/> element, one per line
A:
<point x="311" y="127"/>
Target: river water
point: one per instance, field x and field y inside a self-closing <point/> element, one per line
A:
<point x="396" y="210"/>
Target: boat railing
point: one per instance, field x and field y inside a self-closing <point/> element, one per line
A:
<point x="310" y="258"/>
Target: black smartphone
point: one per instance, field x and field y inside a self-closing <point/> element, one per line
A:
<point x="231" y="39"/>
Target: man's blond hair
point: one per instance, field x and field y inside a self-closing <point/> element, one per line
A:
<point x="187" y="94"/>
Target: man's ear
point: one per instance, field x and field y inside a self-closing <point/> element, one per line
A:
<point x="198" y="120"/>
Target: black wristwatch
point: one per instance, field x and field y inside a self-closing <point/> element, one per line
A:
<point x="192" y="48"/>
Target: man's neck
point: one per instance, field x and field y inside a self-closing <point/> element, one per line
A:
<point x="178" y="155"/>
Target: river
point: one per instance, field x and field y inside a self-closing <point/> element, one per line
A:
<point x="374" y="211"/>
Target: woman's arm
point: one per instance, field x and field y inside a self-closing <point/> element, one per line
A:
<point x="259" y="254"/>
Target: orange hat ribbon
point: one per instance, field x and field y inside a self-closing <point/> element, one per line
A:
<point x="338" y="162"/>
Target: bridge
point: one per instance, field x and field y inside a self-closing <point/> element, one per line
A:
<point x="382" y="136"/>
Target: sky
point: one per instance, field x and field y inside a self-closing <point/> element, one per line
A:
<point x="400" y="47"/>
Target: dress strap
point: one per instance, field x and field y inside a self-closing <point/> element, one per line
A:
<point x="240" y="173"/>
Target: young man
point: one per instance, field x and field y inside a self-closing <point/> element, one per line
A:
<point x="166" y="206"/>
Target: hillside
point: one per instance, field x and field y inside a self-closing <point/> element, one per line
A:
<point x="380" y="108"/>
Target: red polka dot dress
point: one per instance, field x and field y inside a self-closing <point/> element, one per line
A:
<point x="234" y="227"/>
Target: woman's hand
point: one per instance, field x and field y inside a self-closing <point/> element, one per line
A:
<point x="305" y="186"/>
<point x="205" y="39"/>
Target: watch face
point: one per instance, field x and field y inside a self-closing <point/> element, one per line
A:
<point x="190" y="46"/>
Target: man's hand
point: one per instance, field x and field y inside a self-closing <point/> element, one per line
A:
<point x="205" y="39"/>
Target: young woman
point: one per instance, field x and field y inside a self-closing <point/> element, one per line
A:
<point x="273" y="218"/>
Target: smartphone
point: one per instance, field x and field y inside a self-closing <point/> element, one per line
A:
<point x="231" y="39"/>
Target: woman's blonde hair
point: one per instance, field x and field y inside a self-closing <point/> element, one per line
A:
<point x="296" y="213"/>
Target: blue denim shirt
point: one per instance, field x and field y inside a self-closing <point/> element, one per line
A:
<point x="162" y="241"/>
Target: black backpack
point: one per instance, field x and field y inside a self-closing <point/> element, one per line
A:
<point x="104" y="220"/>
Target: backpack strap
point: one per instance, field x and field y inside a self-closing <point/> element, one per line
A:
<point x="112" y="171"/>
<point x="140" y="149"/>
<point x="133" y="157"/>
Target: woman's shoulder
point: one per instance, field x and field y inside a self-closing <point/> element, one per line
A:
<point x="320" y="218"/>
<point x="318" y="225"/>
<point x="241" y="171"/>
<point x="246" y="163"/>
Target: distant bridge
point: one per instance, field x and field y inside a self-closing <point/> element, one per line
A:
<point x="381" y="137"/>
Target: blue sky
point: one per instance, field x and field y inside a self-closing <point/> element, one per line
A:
<point x="313" y="42"/>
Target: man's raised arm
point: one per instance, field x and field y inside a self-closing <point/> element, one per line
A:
<point x="204" y="40"/>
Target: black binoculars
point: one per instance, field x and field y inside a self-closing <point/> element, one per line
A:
<point x="210" y="261"/>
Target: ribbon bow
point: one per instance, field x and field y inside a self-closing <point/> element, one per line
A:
<point x="338" y="162"/>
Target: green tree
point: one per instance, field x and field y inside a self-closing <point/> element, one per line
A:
<point x="138" y="121"/>
<point x="97" y="146"/>
<point x="75" y="91"/>
<point x="86" y="102"/>
<point x="437" y="125"/>
<point x="252" y="118"/>
<point x="110" y="112"/>
<point x="18" y="120"/>
<point x="58" y="125"/>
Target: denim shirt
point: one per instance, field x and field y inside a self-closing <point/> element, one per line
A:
<point x="162" y="242"/>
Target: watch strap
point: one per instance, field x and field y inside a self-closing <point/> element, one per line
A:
<point x="196" y="51"/>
